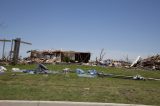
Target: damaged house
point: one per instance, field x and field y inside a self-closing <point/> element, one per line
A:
<point x="152" y="62"/>
<point x="51" y="56"/>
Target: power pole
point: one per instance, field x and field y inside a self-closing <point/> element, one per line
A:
<point x="15" y="52"/>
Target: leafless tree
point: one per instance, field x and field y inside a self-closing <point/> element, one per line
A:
<point x="102" y="54"/>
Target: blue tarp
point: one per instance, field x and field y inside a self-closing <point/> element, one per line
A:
<point x="80" y="71"/>
<point x="89" y="73"/>
<point x="92" y="72"/>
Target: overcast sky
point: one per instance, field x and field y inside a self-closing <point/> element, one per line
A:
<point x="121" y="27"/>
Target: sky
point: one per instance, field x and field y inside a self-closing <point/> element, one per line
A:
<point x="122" y="27"/>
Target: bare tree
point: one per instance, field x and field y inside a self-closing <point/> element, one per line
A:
<point x="127" y="59"/>
<point x="102" y="54"/>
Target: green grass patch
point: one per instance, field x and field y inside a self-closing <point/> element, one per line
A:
<point x="72" y="88"/>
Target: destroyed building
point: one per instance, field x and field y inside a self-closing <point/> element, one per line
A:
<point x="152" y="62"/>
<point x="51" y="56"/>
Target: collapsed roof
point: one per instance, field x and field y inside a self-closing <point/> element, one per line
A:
<point x="59" y="56"/>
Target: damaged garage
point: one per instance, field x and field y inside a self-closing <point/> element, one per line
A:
<point x="50" y="56"/>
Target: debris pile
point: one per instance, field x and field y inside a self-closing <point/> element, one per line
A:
<point x="152" y="62"/>
<point x="114" y="63"/>
<point x="136" y="61"/>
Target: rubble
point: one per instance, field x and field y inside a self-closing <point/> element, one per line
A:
<point x="52" y="56"/>
<point x="152" y="62"/>
<point x="136" y="61"/>
<point x="114" y="63"/>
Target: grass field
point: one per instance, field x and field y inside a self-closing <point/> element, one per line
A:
<point x="60" y="87"/>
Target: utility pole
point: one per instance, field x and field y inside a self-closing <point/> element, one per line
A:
<point x="4" y="43"/>
<point x="15" y="52"/>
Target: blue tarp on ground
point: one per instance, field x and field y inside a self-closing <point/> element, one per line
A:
<point x="89" y="74"/>
<point x="80" y="71"/>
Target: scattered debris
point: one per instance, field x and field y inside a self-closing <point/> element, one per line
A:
<point x="113" y="63"/>
<point x="92" y="72"/>
<point x="138" y="77"/>
<point x="152" y="62"/>
<point x="89" y="74"/>
<point x="136" y="61"/>
<point x="80" y="71"/>
<point x="16" y="70"/>
<point x="66" y="70"/>
<point x="29" y="71"/>
<point x="41" y="69"/>
<point x="2" y="69"/>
